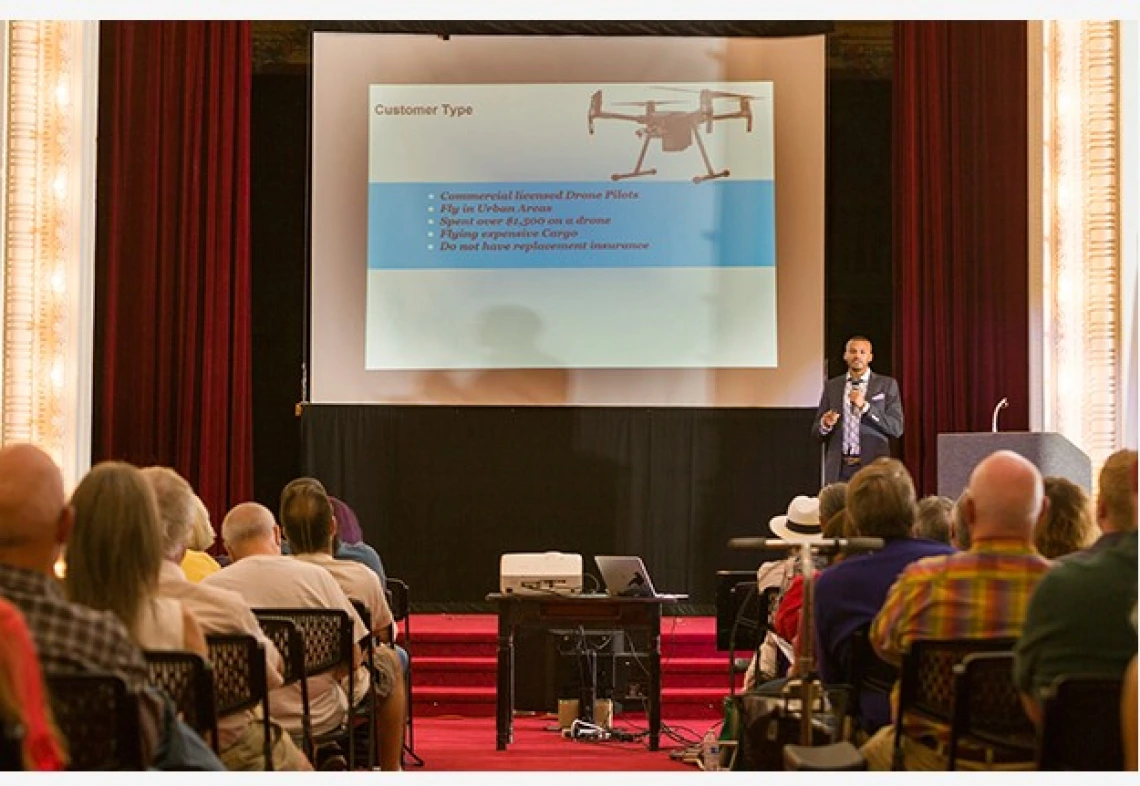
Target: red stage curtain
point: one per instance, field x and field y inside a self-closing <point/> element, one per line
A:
<point x="960" y="246"/>
<point x="172" y="284"/>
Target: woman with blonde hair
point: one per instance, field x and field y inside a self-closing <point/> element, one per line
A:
<point x="114" y="556"/>
<point x="196" y="563"/>
<point x="1068" y="525"/>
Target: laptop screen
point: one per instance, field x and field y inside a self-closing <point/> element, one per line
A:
<point x="625" y="576"/>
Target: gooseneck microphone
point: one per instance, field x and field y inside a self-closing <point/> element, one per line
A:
<point x="1000" y="406"/>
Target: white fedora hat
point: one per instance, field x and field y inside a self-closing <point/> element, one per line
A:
<point x="801" y="522"/>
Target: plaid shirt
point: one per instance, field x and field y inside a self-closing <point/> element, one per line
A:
<point x="70" y="637"/>
<point x="982" y="593"/>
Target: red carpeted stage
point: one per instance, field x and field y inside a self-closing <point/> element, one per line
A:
<point x="453" y="676"/>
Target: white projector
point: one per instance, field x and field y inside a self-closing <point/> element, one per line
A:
<point x="551" y="572"/>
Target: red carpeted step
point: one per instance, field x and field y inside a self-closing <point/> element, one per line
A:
<point x="446" y="670"/>
<point x="468" y="701"/>
<point x="455" y="666"/>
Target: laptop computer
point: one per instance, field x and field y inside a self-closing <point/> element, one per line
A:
<point x="626" y="577"/>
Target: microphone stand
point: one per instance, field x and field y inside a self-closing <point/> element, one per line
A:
<point x="1000" y="406"/>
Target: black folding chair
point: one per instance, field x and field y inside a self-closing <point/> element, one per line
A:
<point x="11" y="746"/>
<point x="99" y="720"/>
<point x="188" y="679"/>
<point x="328" y="644"/>
<point x="754" y="612"/>
<point x="290" y="642"/>
<point x="369" y="647"/>
<point x="240" y="680"/>
<point x="399" y="600"/>
<point x="988" y="713"/>
<point x="926" y="687"/>
<point x="866" y="673"/>
<point x="1081" y="728"/>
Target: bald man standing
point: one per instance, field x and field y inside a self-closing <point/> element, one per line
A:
<point x="982" y="593"/>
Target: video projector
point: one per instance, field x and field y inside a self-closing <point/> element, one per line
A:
<point x="549" y="573"/>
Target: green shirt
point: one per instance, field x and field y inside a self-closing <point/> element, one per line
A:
<point x="1079" y="619"/>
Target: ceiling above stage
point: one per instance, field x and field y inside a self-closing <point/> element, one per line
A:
<point x="856" y="50"/>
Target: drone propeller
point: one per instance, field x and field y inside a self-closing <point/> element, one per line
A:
<point x="710" y="93"/>
<point x="727" y="94"/>
<point x="646" y="103"/>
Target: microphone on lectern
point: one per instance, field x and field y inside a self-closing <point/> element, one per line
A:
<point x="1000" y="406"/>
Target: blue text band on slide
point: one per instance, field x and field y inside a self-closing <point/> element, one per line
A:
<point x="425" y="226"/>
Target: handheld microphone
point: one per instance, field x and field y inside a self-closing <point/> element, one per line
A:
<point x="1000" y="406"/>
<point x="825" y="546"/>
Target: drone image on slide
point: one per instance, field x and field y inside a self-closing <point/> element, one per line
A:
<point x="677" y="129"/>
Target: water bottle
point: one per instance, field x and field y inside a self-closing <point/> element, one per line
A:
<point x="710" y="752"/>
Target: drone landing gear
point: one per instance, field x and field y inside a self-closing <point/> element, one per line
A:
<point x="637" y="170"/>
<point x="709" y="173"/>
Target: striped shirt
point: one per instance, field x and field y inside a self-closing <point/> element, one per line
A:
<point x="70" y="637"/>
<point x="982" y="593"/>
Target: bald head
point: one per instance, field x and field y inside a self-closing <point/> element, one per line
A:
<point x="1005" y="497"/>
<point x="34" y="517"/>
<point x="248" y="529"/>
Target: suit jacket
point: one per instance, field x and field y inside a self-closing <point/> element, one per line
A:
<point x="882" y="421"/>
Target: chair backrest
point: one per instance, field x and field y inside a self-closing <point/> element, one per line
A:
<point x="99" y="720"/>
<point x="288" y="640"/>
<point x="240" y="680"/>
<point x="987" y="707"/>
<point x="188" y="680"/>
<point x="927" y="675"/>
<point x="365" y="615"/>
<point x="398" y="599"/>
<point x="926" y="681"/>
<point x="1081" y="729"/>
<point x="866" y="671"/>
<point x="11" y="745"/>
<point x="327" y="635"/>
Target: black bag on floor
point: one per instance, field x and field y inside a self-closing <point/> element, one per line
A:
<point x="764" y="726"/>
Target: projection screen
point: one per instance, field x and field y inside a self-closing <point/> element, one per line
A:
<point x="567" y="220"/>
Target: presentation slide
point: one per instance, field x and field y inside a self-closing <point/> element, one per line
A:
<point x="580" y="226"/>
<point x="567" y="220"/>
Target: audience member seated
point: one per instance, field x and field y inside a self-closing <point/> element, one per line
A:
<point x="1115" y="504"/>
<point x="23" y="699"/>
<point x="348" y="541"/>
<point x="959" y="532"/>
<point x="265" y="578"/>
<point x="832" y="500"/>
<point x="307" y="517"/>
<point x="1079" y="622"/>
<point x="978" y="594"/>
<point x="848" y="595"/>
<point x="1128" y="713"/>
<point x="933" y="519"/>
<point x="800" y="523"/>
<point x="241" y="736"/>
<point x="115" y="555"/>
<point x="35" y="524"/>
<point x="786" y="620"/>
<point x="196" y="563"/>
<point x="1068" y="524"/>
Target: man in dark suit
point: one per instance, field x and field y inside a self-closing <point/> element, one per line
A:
<point x="858" y="413"/>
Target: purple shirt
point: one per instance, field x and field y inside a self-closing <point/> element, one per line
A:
<point x="848" y="595"/>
